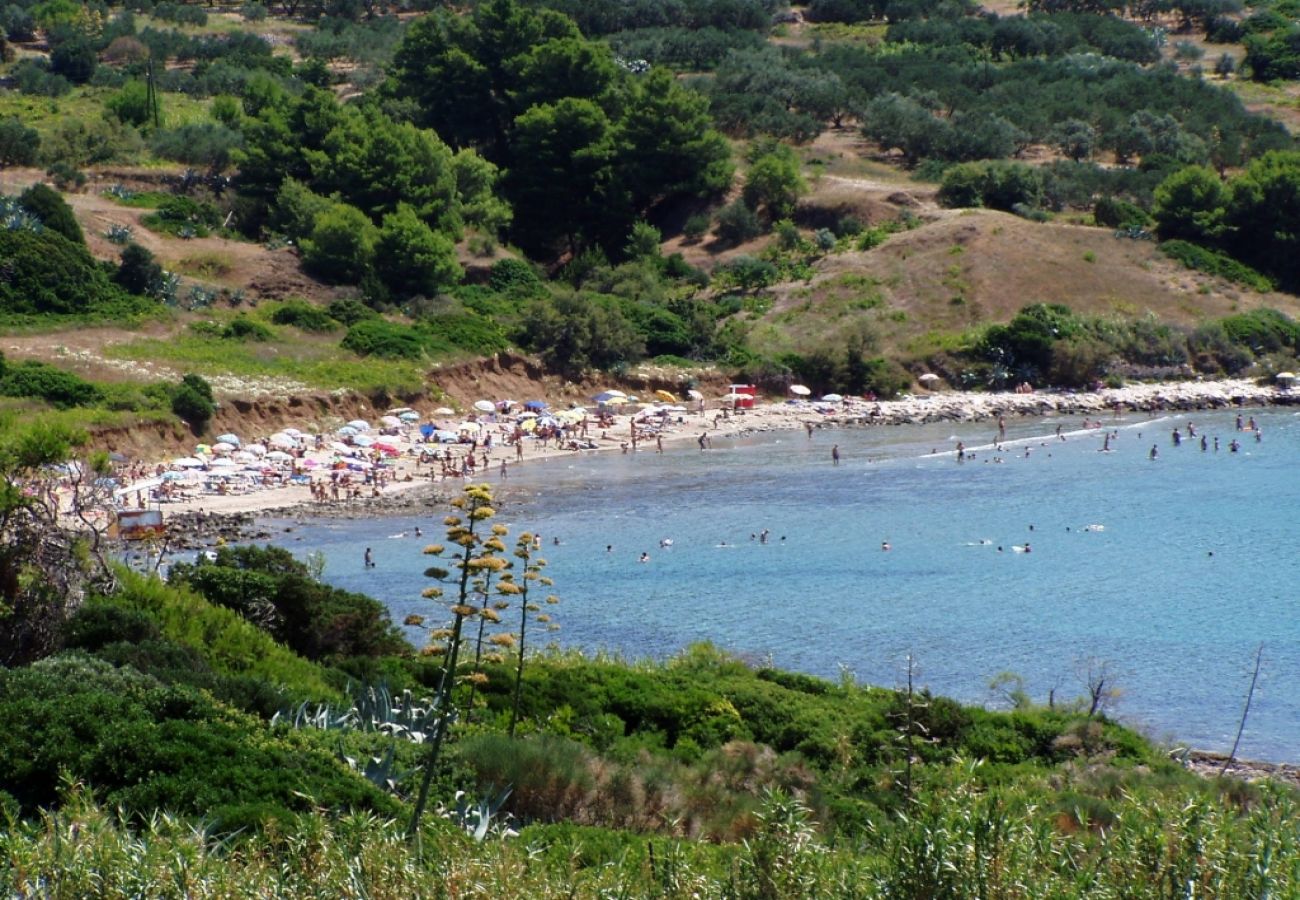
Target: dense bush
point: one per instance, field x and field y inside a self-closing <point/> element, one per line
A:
<point x="192" y="402"/>
<point x="48" y="205"/>
<point x="1215" y="262"/>
<point x="55" y="386"/>
<point x="44" y="272"/>
<point x="379" y="337"/>
<point x="270" y="588"/>
<point x="146" y="746"/>
<point x="996" y="185"/>
<point x="304" y="315"/>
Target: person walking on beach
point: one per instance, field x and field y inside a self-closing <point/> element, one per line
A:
<point x="835" y="455"/>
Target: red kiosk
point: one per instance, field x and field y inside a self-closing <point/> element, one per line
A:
<point x="749" y="392"/>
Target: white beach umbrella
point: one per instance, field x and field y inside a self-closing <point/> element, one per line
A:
<point x="409" y="416"/>
<point x="444" y="411"/>
<point x="1285" y="376"/>
<point x="243" y="456"/>
<point x="927" y="378"/>
<point x="469" y="426"/>
<point x="282" y="439"/>
<point x="694" y="394"/>
<point x="731" y="398"/>
<point x="256" y="449"/>
<point x="485" y="406"/>
<point x="359" y="425"/>
<point x="362" y="441"/>
<point x="291" y="431"/>
<point x="390" y="421"/>
<point x="799" y="390"/>
<point x="278" y="456"/>
<point x="223" y="463"/>
<point x="222" y="447"/>
<point x="832" y="398"/>
<point x="187" y="462"/>
<point x="348" y="430"/>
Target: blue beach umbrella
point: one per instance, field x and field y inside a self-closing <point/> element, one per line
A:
<point x="535" y="404"/>
<point x="229" y="439"/>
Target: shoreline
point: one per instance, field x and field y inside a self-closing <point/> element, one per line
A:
<point x="406" y="492"/>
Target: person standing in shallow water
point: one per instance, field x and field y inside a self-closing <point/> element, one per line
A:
<point x="835" y="455"/>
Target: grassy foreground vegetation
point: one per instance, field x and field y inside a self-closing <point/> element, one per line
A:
<point x="245" y="729"/>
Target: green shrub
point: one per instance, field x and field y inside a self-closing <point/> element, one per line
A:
<point x="737" y="223"/>
<point x="47" y="273"/>
<point x="696" y="227"/>
<point x="1215" y="262"/>
<point x="515" y="277"/>
<point x="184" y="216"/>
<point x="49" y="206"/>
<point x="379" y="337"/>
<point x="271" y="588"/>
<point x="193" y="403"/>
<point x="1112" y="212"/>
<point x="146" y="746"/>
<point x="1263" y="331"/>
<point x="465" y="331"/>
<point x="242" y="328"/>
<point x="303" y="315"/>
<point x="341" y="247"/>
<point x="139" y="272"/>
<point x="45" y="382"/>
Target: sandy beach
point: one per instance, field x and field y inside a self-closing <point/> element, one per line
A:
<point x="718" y="420"/>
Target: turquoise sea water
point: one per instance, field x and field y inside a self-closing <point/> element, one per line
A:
<point x="1196" y="563"/>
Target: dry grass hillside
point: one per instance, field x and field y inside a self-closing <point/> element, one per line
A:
<point x="962" y="269"/>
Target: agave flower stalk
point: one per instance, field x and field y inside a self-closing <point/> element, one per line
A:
<point x="472" y="556"/>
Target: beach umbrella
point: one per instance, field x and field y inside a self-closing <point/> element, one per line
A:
<point x="527" y="415"/>
<point x="309" y="464"/>
<point x="799" y="390"/>
<point x="256" y="449"/>
<point x="188" y="462"/>
<point x="485" y="406"/>
<point x="666" y="396"/>
<point x="279" y="456"/>
<point x="927" y="378"/>
<point x="359" y="464"/>
<point x="348" y="430"/>
<point x="674" y="409"/>
<point x="444" y="411"/>
<point x="362" y="441"/>
<point x="506" y="404"/>
<point x="610" y="397"/>
<point x="409" y="416"/>
<point x="398" y="410"/>
<point x="1286" y="376"/>
<point x="694" y="394"/>
<point x="732" y="398"/>
<point x="340" y="447"/>
<point x="832" y="398"/>
<point x="535" y="404"/>
<point x="359" y="425"/>
<point x="469" y="426"/>
<point x="242" y="456"/>
<point x="385" y="448"/>
<point x="282" y="439"/>
<point x="427" y="430"/>
<point x="446" y="437"/>
<point x="294" y="432"/>
<point x="390" y="421"/>
<point x="528" y="425"/>
<point x="223" y="464"/>
<point x="222" y="447"/>
<point x="229" y="439"/>
<point x="175" y="476"/>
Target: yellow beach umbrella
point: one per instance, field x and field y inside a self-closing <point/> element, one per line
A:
<point x="666" y="396"/>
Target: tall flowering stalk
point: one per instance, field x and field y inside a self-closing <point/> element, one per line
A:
<point x="531" y="571"/>
<point x="472" y="557"/>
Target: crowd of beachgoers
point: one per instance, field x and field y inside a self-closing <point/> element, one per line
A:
<point x="363" y="460"/>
